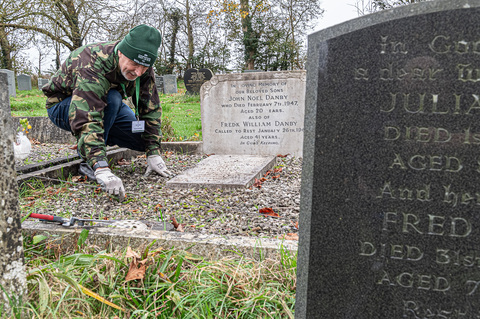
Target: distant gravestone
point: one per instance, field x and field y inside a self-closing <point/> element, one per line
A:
<point x="24" y="82"/>
<point x="389" y="221"/>
<point x="12" y="271"/>
<point x="42" y="82"/>
<point x="194" y="79"/>
<point x="170" y="84"/>
<point x="11" y="81"/>
<point x="258" y="113"/>
<point x="159" y="83"/>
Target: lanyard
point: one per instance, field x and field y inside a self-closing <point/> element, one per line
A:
<point x="137" y="90"/>
<point x="137" y="93"/>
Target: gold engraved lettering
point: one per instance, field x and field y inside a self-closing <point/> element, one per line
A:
<point x="442" y="44"/>
<point x="418" y="281"/>
<point x="473" y="286"/>
<point x="471" y="138"/>
<point x="398" y="252"/>
<point x="423" y="103"/>
<point x="465" y="74"/>
<point x="465" y="198"/>
<point x="417" y="134"/>
<point x="408" y="223"/>
<point x="428" y="162"/>
<point x="392" y="46"/>
<point x="361" y="74"/>
<point x="393" y="72"/>
<point x="417" y="310"/>
<point x="456" y="258"/>
<point x="403" y="193"/>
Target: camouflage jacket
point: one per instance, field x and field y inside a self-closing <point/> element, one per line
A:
<point x="87" y="75"/>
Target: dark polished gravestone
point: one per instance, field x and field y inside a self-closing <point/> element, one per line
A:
<point x="194" y="79"/>
<point x="390" y="202"/>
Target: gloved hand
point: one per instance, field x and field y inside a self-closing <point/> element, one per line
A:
<point x="155" y="163"/>
<point x="109" y="182"/>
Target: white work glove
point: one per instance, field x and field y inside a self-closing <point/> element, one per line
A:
<point x="109" y="182"/>
<point x="155" y="163"/>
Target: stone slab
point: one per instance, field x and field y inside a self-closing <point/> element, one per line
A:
<point x="224" y="172"/>
<point x="12" y="271"/>
<point x="10" y="81"/>
<point x="159" y="83"/>
<point x="170" y="84"/>
<point x="209" y="246"/>
<point x="258" y="113"/>
<point x="41" y="82"/>
<point x="24" y="82"/>
<point x="389" y="224"/>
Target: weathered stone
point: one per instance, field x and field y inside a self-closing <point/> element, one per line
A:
<point x="259" y="113"/>
<point x="12" y="272"/>
<point x="10" y="81"/>
<point x="224" y="172"/>
<point x="389" y="223"/>
<point x="194" y="79"/>
<point x="170" y="84"/>
<point x="24" y="82"/>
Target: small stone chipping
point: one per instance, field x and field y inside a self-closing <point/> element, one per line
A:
<point x="206" y="211"/>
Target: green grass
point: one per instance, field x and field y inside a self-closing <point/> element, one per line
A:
<point x="79" y="280"/>
<point x="181" y="119"/>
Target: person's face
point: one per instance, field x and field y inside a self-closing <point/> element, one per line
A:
<point x="130" y="69"/>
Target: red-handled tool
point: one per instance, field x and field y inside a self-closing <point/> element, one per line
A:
<point x="81" y="221"/>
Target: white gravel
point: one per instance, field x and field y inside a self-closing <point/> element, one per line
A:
<point x="202" y="211"/>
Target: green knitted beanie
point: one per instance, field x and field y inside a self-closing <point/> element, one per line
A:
<point x="141" y="45"/>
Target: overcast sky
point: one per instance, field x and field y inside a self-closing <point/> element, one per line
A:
<point x="336" y="11"/>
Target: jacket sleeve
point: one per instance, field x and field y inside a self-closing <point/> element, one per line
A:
<point x="150" y="111"/>
<point x="86" y="113"/>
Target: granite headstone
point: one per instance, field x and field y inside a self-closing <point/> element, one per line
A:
<point x="12" y="271"/>
<point x="389" y="222"/>
<point x="159" y="83"/>
<point x="194" y="79"/>
<point x="258" y="113"/>
<point x="170" y="84"/>
<point x="24" y="82"/>
<point x="41" y="82"/>
<point x="11" y="81"/>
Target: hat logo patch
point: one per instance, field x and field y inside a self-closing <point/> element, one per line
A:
<point x="144" y="57"/>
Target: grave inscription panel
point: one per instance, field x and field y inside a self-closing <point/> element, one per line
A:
<point x="391" y="176"/>
<point x="254" y="113"/>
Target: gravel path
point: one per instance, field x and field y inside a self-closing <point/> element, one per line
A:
<point x="203" y="211"/>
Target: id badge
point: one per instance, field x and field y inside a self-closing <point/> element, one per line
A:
<point x="138" y="126"/>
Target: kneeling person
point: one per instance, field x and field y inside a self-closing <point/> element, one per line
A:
<point x="85" y="97"/>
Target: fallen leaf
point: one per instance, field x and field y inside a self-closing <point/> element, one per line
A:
<point x="280" y="155"/>
<point x="74" y="147"/>
<point x="257" y="183"/>
<point x="267" y="211"/>
<point x="263" y="179"/>
<point x="180" y="228"/>
<point x="174" y="222"/>
<point x="123" y="161"/>
<point x="136" y="272"/>
<point x="130" y="253"/>
<point x="275" y="177"/>
<point x="278" y="170"/>
<point x="30" y="198"/>
<point x="267" y="173"/>
<point x="296" y="225"/>
<point x="158" y="207"/>
<point x="289" y="236"/>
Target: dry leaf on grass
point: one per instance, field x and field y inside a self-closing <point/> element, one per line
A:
<point x="267" y="211"/>
<point x="289" y="236"/>
<point x="136" y="271"/>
